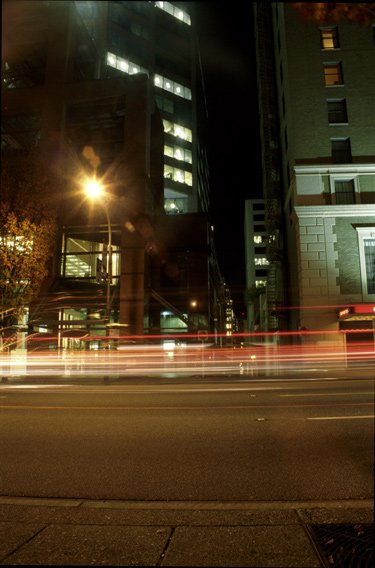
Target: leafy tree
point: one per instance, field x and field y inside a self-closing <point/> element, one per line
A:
<point x="27" y="233"/>
<point x="327" y="12"/>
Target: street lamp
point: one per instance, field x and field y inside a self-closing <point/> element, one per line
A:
<point x="95" y="191"/>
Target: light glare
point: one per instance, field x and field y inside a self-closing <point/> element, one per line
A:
<point x="93" y="189"/>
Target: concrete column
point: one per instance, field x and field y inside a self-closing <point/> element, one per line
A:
<point x="132" y="283"/>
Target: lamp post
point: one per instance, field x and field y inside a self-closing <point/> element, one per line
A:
<point x="95" y="190"/>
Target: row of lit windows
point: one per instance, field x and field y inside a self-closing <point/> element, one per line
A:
<point x="178" y="153"/>
<point x="178" y="175"/>
<point x="174" y="11"/>
<point x="177" y="130"/>
<point x="260" y="239"/>
<point x="261" y="261"/>
<point x="124" y="65"/>
<point x="172" y="87"/>
<point x="132" y="68"/>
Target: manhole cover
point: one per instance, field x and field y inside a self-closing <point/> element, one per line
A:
<point x="344" y="546"/>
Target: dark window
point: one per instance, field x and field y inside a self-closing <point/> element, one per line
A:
<point x="329" y="38"/>
<point x="369" y="248"/>
<point x="258" y="206"/>
<point x="258" y="217"/>
<point x="260" y="228"/>
<point x="341" y="152"/>
<point x="333" y="74"/>
<point x="345" y="192"/>
<point x="260" y="250"/>
<point x="337" y="111"/>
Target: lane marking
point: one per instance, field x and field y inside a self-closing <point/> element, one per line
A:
<point x="341" y="417"/>
<point x="329" y="394"/>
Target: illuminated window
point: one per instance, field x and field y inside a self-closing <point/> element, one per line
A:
<point x="178" y="153"/>
<point x="258" y="239"/>
<point x="333" y="74"/>
<point x="366" y="242"/>
<point x="174" y="11"/>
<point x="261" y="261"/>
<point x="172" y="87"/>
<point x="124" y="65"/>
<point x="175" y="206"/>
<point x="260" y="283"/>
<point x="178" y="175"/>
<point x="337" y="111"/>
<point x="329" y="38"/>
<point x="177" y="130"/>
<point x="80" y="258"/>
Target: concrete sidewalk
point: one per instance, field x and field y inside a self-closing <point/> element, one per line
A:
<point x="128" y="533"/>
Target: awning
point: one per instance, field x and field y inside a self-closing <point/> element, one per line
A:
<point x="359" y="312"/>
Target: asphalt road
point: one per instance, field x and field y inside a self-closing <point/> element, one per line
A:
<point x="233" y="440"/>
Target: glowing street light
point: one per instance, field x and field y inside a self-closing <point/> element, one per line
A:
<point x="95" y="191"/>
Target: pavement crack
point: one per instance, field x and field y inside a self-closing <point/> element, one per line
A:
<point x="164" y="551"/>
<point x="22" y="544"/>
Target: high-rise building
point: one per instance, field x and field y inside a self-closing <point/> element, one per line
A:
<point x="257" y="264"/>
<point x="159" y="39"/>
<point x="111" y="89"/>
<point x="321" y="125"/>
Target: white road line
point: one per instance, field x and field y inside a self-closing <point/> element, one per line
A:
<point x="328" y="394"/>
<point x="341" y="417"/>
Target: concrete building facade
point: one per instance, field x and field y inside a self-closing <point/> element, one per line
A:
<point x="325" y="90"/>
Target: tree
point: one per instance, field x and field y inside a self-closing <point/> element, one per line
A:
<point x="27" y="233"/>
<point x="327" y="12"/>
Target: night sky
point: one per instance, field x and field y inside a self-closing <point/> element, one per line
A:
<point x="227" y="50"/>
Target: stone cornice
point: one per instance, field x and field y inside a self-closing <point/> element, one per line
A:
<point x="336" y="169"/>
<point x="367" y="210"/>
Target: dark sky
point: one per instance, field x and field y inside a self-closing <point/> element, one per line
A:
<point x="227" y="50"/>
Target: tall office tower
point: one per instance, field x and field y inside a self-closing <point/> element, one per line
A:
<point x="257" y="265"/>
<point x="159" y="39"/>
<point x="79" y="91"/>
<point x="274" y="293"/>
<point x="324" y="84"/>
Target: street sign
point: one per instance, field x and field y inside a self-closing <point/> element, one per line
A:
<point x="203" y="334"/>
